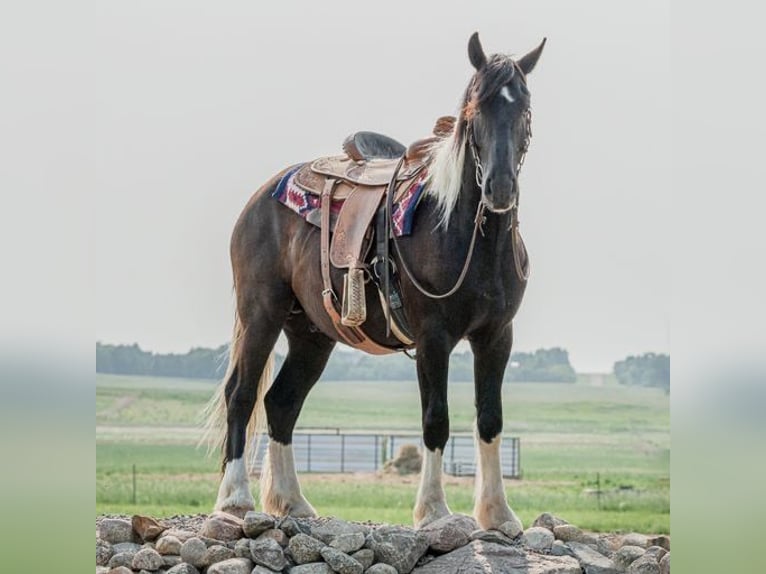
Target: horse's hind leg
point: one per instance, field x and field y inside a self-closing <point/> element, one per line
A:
<point x="306" y="359"/>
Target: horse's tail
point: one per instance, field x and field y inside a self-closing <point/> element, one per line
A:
<point x="215" y="413"/>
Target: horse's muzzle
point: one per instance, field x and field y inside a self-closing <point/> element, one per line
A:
<point x="500" y="194"/>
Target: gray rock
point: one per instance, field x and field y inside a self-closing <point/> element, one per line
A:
<point x="348" y="542"/>
<point x="256" y="523"/>
<point x="549" y="521"/>
<point x="218" y="553"/>
<point x="381" y="568"/>
<point x="626" y="555"/>
<point x="480" y="556"/>
<point x="267" y="552"/>
<point x="494" y="536"/>
<point x="665" y="564"/>
<point x="170" y="560"/>
<point x="304" y="548"/>
<point x="222" y="526"/>
<point x="312" y="568"/>
<point x="607" y="544"/>
<point x="538" y="538"/>
<point x="398" y="546"/>
<point x="182" y="535"/>
<point x="333" y="527"/>
<point x="291" y="526"/>
<point x="147" y="559"/>
<point x="644" y="565"/>
<point x="193" y="551"/>
<point x="121" y="559"/>
<point x="365" y="557"/>
<point x="116" y="530"/>
<point x="121" y="570"/>
<point x="242" y="548"/>
<point x="231" y="566"/>
<point x="126" y="547"/>
<point x="277" y="535"/>
<point x="636" y="539"/>
<point x="261" y="570"/>
<point x="662" y="541"/>
<point x="657" y="552"/>
<point x="102" y="570"/>
<point x="168" y="545"/>
<point x="591" y="561"/>
<point x="341" y="562"/>
<point x="104" y="551"/>
<point x="567" y="533"/>
<point x="449" y="532"/>
<point x="183" y="568"/>
<point x="512" y="528"/>
<point x="558" y="548"/>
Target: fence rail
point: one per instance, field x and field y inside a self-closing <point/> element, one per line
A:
<point x="331" y="452"/>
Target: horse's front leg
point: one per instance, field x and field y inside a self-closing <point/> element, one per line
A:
<point x="432" y="364"/>
<point x="491" y="351"/>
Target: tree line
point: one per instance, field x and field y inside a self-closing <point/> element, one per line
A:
<point x="647" y="370"/>
<point x="543" y="365"/>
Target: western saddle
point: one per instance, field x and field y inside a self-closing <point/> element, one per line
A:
<point x="372" y="165"/>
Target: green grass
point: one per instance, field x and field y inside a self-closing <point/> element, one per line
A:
<point x="569" y="433"/>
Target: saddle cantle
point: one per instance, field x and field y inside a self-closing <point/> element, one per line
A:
<point x="362" y="146"/>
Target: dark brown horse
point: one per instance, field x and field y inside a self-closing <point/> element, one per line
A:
<point x="275" y="257"/>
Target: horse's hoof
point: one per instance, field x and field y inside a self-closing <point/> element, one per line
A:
<point x="238" y="511"/>
<point x="492" y="517"/>
<point x="424" y="517"/>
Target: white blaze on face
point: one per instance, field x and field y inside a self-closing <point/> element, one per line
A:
<point x="234" y="491"/>
<point x="506" y="93"/>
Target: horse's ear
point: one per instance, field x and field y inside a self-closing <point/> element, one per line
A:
<point x="527" y="63"/>
<point x="476" y="52"/>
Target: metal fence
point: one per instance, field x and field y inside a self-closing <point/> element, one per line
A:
<point x="339" y="452"/>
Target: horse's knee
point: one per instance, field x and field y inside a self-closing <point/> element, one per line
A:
<point x="436" y="427"/>
<point x="489" y="424"/>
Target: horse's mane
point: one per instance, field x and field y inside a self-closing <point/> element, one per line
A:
<point x="445" y="171"/>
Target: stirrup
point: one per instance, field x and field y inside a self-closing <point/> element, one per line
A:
<point x="354" y="306"/>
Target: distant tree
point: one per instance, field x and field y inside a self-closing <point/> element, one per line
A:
<point x="647" y="370"/>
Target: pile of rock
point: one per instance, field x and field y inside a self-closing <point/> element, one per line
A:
<point x="263" y="544"/>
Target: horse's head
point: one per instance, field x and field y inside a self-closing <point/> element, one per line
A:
<point x="497" y="121"/>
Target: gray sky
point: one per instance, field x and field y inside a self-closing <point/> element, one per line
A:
<point x="199" y="106"/>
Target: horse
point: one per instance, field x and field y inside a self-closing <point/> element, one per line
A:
<point x="469" y="206"/>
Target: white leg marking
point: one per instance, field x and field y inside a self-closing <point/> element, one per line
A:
<point x="490" y="505"/>
<point x="280" y="490"/>
<point x="431" y="503"/>
<point x="234" y="492"/>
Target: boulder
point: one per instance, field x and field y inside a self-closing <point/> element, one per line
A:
<point x="381" y="568"/>
<point x="449" y="532"/>
<point x="348" y="542"/>
<point x="626" y="555"/>
<point x="567" y="533"/>
<point x="329" y="529"/>
<point x="183" y="568"/>
<point x="147" y="528"/>
<point x="398" y="546"/>
<point x="193" y="551"/>
<point x="365" y="557"/>
<point x="657" y="552"/>
<point x="549" y="521"/>
<point x="222" y="526"/>
<point x="341" y="562"/>
<point x="126" y="547"/>
<point x="312" y="568"/>
<point x="104" y="551"/>
<point x="665" y="564"/>
<point x="255" y="523"/>
<point x="480" y="556"/>
<point x="558" y="548"/>
<point x="636" y="539"/>
<point x="116" y="530"/>
<point x="218" y="553"/>
<point x="644" y="565"/>
<point x="291" y="526"/>
<point x="494" y="536"/>
<point x="231" y="566"/>
<point x="662" y="541"/>
<point x="121" y="559"/>
<point x="592" y="562"/>
<point x="267" y="552"/>
<point x="511" y="528"/>
<point x="170" y="560"/>
<point x="275" y="534"/>
<point x="538" y="538"/>
<point x="242" y="548"/>
<point x="304" y="548"/>
<point x="168" y="545"/>
<point x="147" y="559"/>
<point x="120" y="570"/>
<point x="182" y="535"/>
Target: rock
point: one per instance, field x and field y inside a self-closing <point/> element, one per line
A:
<point x="333" y="527"/>
<point x="116" y="530"/>
<point x="549" y="521"/>
<point x="626" y="555"/>
<point x="558" y="548"/>
<point x="147" y="528"/>
<point x="348" y="542"/>
<point x="291" y="527"/>
<point x="538" y="538"/>
<point x="635" y="539"/>
<point x="168" y="545"/>
<point x="607" y="544"/>
<point x="644" y="565"/>
<point x="480" y="556"/>
<point x="381" y="568"/>
<point x="193" y="551"/>
<point x="512" y="528"/>
<point x="104" y="551"/>
<point x="102" y="570"/>
<point x="398" y="546"/>
<point x="120" y="570"/>
<point x="494" y="536"/>
<point x="218" y="553"/>
<point x="312" y="568"/>
<point x="304" y="548"/>
<point x="449" y="532"/>
<point x="567" y="533"/>
<point x="170" y="560"/>
<point x="341" y="562"/>
<point x="262" y="570"/>
<point x="256" y="523"/>
<point x="267" y="552"/>
<point x="591" y="561"/>
<point x="121" y="559"/>
<point x="662" y="541"/>
<point x="183" y="568"/>
<point x="657" y="552"/>
<point x="231" y="566"/>
<point x="147" y="559"/>
<point x="222" y="526"/>
<point x="277" y="535"/>
<point x="182" y="535"/>
<point x="365" y="557"/>
<point x="131" y="547"/>
<point x="665" y="564"/>
<point x="242" y="548"/>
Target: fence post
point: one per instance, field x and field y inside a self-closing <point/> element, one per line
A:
<point x="343" y="453"/>
<point x="377" y="454"/>
<point x="134" y="484"/>
<point x="308" y="452"/>
<point x="598" y="489"/>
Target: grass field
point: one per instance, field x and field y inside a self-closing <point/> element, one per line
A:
<point x="569" y="433"/>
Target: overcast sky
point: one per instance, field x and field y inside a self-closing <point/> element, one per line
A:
<point x="197" y="107"/>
